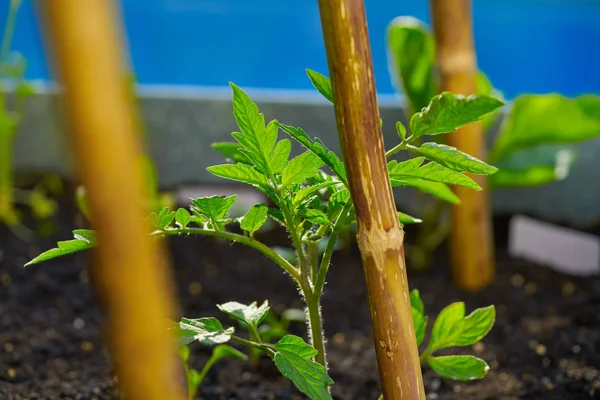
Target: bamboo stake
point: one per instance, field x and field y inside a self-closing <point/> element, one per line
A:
<point x="380" y="236"/>
<point x="129" y="271"/>
<point x="471" y="240"/>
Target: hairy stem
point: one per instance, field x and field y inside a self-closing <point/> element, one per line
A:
<point x="326" y="260"/>
<point x="266" y="348"/>
<point x="317" y="334"/>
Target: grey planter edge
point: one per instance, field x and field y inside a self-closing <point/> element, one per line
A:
<point x="182" y="122"/>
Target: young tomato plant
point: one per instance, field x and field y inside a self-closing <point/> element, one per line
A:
<point x="14" y="91"/>
<point x="535" y="123"/>
<point x="311" y="201"/>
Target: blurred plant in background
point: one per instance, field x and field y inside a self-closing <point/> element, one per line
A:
<point x="541" y="124"/>
<point x="14" y="91"/>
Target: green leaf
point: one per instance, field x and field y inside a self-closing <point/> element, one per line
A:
<point x="194" y="379"/>
<point x="407" y="219"/>
<point x="230" y="151"/>
<point x="590" y="104"/>
<point x="300" y="168"/>
<point x="420" y="322"/>
<point x="205" y="330"/>
<point x="239" y="172"/>
<point x="280" y="155"/>
<point x="224" y="351"/>
<point x="315" y="216"/>
<point x="321" y="83"/>
<point x="447" y="325"/>
<point x="213" y="207"/>
<point x="308" y="191"/>
<point x="453" y="158"/>
<point x="452" y="328"/>
<point x="475" y="326"/>
<point x="439" y="190"/>
<point x="411" y="58"/>
<point x="537" y="175"/>
<point x="257" y="140"/>
<point x="459" y="368"/>
<point x="447" y="112"/>
<point x="327" y="156"/>
<point x="84" y="239"/>
<point x="250" y="314"/>
<point x="416" y="302"/>
<point x="401" y="129"/>
<point x="431" y="171"/>
<point x="163" y="219"/>
<point x="545" y="119"/>
<point x="184" y="353"/>
<point x="182" y="217"/>
<point x="255" y="218"/>
<point x="294" y="361"/>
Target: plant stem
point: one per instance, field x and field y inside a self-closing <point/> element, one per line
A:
<point x="317" y="334"/>
<point x="326" y="260"/>
<point x="267" y="348"/>
<point x="471" y="244"/>
<point x="267" y="251"/>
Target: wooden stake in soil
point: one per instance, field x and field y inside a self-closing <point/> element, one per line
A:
<point x="380" y="236"/>
<point x="471" y="241"/>
<point x="129" y="270"/>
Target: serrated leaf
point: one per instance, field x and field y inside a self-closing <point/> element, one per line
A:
<point x="411" y="57"/>
<point x="327" y="156"/>
<point x="205" y="330"/>
<point x="475" y="326"/>
<point x="453" y="158"/>
<point x="294" y="361"/>
<point x="447" y="324"/>
<point x="255" y="137"/>
<point x="230" y="151"/>
<point x="420" y="322"/>
<point x="182" y="217"/>
<point x="544" y="119"/>
<point x="437" y="189"/>
<point x="315" y="216"/>
<point x="251" y="314"/>
<point x="239" y="172"/>
<point x="447" y="112"/>
<point x="255" y="218"/>
<point x="84" y="239"/>
<point x="321" y="83"/>
<point x="164" y="218"/>
<point x="300" y="168"/>
<point x="407" y="219"/>
<point x="459" y="368"/>
<point x="310" y="190"/>
<point x="280" y="155"/>
<point x="213" y="207"/>
<point x="416" y="302"/>
<point x="431" y="171"/>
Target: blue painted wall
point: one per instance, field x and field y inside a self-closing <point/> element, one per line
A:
<point x="534" y="46"/>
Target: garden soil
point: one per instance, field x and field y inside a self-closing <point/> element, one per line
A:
<point x="545" y="343"/>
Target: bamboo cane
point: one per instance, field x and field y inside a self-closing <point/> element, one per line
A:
<point x="471" y="241"/>
<point x="129" y="271"/>
<point x="380" y="236"/>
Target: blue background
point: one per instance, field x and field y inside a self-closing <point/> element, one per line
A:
<point x="534" y="46"/>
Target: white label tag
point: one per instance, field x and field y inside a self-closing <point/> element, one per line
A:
<point x="566" y="250"/>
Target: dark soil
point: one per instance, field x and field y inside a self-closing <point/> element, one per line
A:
<point x="545" y="344"/>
